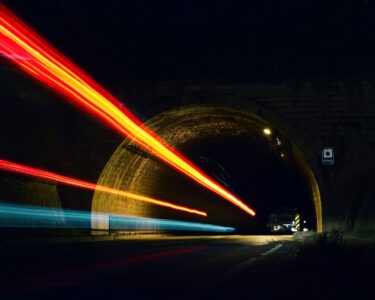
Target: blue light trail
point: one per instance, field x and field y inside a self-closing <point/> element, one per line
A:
<point x="25" y="216"/>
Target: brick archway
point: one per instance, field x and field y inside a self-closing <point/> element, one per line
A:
<point x="129" y="170"/>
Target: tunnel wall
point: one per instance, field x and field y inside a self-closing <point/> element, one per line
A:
<point x="39" y="129"/>
<point x="314" y="114"/>
<point x="29" y="192"/>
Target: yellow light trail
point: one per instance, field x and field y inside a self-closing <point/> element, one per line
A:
<point x="29" y="171"/>
<point x="33" y="54"/>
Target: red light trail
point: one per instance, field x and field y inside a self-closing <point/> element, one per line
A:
<point x="35" y="56"/>
<point x="33" y="172"/>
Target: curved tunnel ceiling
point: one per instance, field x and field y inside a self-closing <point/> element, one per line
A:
<point x="267" y="171"/>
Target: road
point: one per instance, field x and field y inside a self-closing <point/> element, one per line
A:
<point x="160" y="267"/>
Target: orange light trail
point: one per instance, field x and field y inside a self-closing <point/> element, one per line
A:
<point x="36" y="57"/>
<point x="33" y="172"/>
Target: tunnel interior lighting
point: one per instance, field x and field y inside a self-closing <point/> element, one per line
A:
<point x="30" y="52"/>
<point x="267" y="131"/>
<point x="29" y="171"/>
<point x="25" y="216"/>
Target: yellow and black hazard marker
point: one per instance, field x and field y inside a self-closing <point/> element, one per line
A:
<point x="297" y="222"/>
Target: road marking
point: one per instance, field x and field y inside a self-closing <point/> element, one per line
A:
<point x="243" y="265"/>
<point x="247" y="263"/>
<point x="272" y="250"/>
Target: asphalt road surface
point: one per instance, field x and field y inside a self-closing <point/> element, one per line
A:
<point x="210" y="267"/>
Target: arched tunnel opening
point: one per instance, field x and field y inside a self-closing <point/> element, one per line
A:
<point x="245" y="153"/>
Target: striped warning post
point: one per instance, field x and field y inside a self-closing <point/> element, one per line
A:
<point x="297" y="222"/>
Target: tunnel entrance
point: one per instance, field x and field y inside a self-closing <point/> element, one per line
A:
<point x="244" y="152"/>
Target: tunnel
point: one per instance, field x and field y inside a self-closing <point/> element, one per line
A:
<point x="241" y="150"/>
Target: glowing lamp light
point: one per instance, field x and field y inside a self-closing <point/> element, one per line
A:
<point x="35" y="56"/>
<point x="267" y="131"/>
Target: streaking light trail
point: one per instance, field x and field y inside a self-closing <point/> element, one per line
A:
<point x="46" y="64"/>
<point x="23" y="216"/>
<point x="25" y="170"/>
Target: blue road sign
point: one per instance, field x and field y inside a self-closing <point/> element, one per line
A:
<point x="328" y="156"/>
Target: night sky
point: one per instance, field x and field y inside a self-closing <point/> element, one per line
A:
<point x="105" y="32"/>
